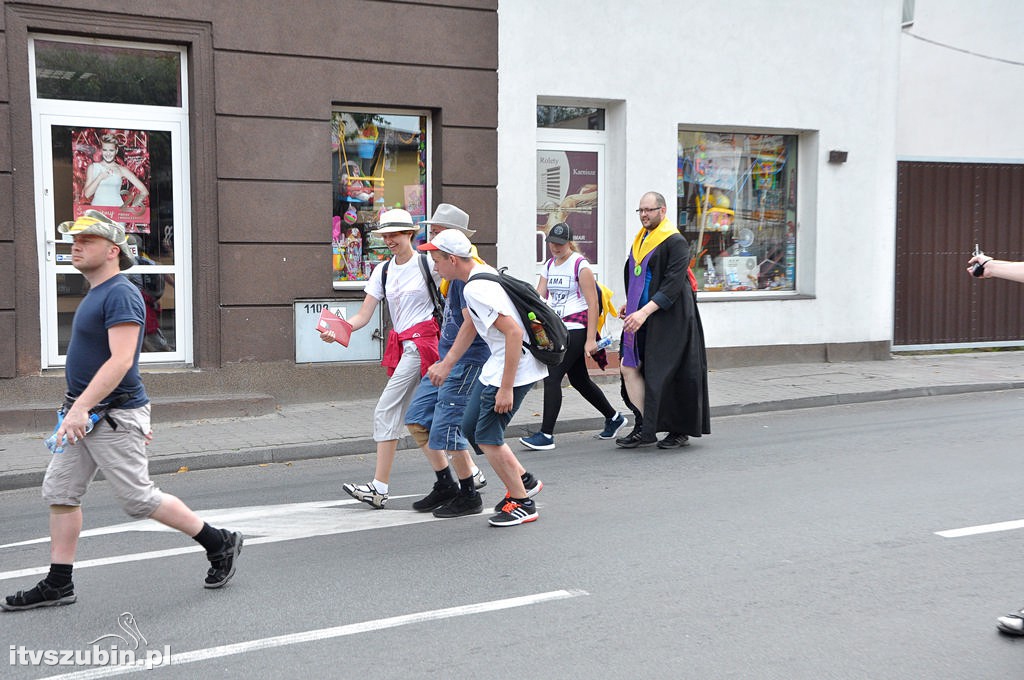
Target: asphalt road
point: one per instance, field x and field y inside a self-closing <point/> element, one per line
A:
<point x="786" y="545"/>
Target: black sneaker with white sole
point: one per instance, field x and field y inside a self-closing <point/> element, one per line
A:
<point x="513" y="513"/>
<point x="222" y="562"/>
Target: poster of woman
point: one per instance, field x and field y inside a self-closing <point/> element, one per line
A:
<point x="110" y="173"/>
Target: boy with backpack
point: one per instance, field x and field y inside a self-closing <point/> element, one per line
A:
<point x="505" y="379"/>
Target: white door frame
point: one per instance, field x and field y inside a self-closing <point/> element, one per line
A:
<point x="47" y="113"/>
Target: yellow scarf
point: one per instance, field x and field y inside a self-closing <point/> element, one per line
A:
<point x="445" y="283"/>
<point x="642" y="247"/>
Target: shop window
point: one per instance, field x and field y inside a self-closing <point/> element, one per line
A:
<point x="379" y="162"/>
<point x="107" y="74"/>
<point x="736" y="206"/>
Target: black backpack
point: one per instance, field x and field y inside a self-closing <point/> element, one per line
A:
<point x="435" y="294"/>
<point x="526" y="301"/>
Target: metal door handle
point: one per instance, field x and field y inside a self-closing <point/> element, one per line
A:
<point x="51" y="249"/>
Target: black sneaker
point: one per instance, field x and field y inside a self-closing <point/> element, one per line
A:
<point x="222" y="563"/>
<point x="460" y="506"/>
<point x="42" y="595"/>
<point x="438" y="496"/>
<point x="674" y="440"/>
<point x="513" y="513"/>
<point x="635" y="439"/>
<point x="533" y="487"/>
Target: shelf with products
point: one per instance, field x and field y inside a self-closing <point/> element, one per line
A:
<point x="736" y="205"/>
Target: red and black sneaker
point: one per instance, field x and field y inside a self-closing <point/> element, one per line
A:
<point x="515" y="512"/>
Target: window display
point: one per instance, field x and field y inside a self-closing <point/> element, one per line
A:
<point x="379" y="163"/>
<point x="737" y="208"/>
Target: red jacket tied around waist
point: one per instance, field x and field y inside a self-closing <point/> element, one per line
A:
<point x="424" y="334"/>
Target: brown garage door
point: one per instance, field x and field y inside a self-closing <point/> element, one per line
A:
<point x="943" y="210"/>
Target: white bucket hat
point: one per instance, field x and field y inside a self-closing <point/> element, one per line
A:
<point x="448" y="216"/>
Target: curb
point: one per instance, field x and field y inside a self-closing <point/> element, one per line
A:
<point x="283" y="453"/>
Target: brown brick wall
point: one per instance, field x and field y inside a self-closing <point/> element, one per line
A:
<point x="265" y="80"/>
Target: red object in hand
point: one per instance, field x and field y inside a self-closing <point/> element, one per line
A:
<point x="329" y="321"/>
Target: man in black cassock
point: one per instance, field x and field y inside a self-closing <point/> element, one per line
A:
<point x="664" y="365"/>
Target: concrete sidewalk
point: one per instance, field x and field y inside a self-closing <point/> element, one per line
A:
<point x="318" y="430"/>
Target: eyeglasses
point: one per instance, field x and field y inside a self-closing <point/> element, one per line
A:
<point x="644" y="211"/>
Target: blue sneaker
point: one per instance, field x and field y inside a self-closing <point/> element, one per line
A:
<point x="538" y="441"/>
<point x="612" y="426"/>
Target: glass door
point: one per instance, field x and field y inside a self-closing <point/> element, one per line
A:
<point x="110" y="133"/>
<point x="128" y="169"/>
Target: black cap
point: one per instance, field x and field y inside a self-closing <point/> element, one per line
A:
<point x="560" y="234"/>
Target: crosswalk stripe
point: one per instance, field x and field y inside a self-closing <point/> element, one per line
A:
<point x="982" y="529"/>
<point x="259" y="524"/>
<point x="221" y="651"/>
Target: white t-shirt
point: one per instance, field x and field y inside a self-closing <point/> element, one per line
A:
<point x="487" y="300"/>
<point x="408" y="300"/>
<point x="564" y="294"/>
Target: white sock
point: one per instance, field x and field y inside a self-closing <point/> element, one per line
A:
<point x="380" y="486"/>
<point x="474" y="471"/>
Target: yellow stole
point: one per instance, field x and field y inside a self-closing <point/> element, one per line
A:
<point x="642" y="247"/>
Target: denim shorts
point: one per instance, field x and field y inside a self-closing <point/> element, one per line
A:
<point x="481" y="424"/>
<point x="440" y="409"/>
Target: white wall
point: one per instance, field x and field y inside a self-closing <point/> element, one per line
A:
<point x="959" y="106"/>
<point x="786" y="65"/>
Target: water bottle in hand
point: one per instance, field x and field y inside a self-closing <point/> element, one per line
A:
<point x="603" y="343"/>
<point x="58" y="447"/>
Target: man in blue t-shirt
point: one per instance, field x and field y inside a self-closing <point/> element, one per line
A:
<point x="104" y="422"/>
<point x="435" y="414"/>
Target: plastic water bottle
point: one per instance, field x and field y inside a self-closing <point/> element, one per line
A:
<point x="58" y="447"/>
<point x="538" y="332"/>
<point x="604" y="343"/>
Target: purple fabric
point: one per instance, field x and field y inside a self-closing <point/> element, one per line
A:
<point x="634" y="292"/>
